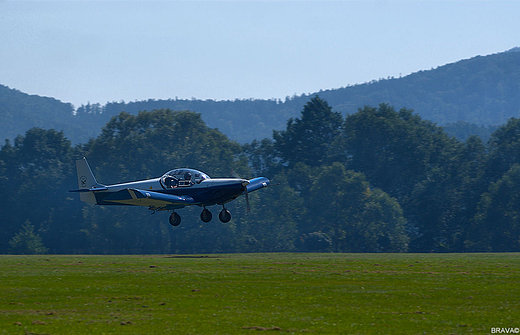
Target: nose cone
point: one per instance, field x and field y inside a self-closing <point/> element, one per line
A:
<point x="257" y="183"/>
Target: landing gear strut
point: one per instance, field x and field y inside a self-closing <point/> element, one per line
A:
<point x="206" y="215"/>
<point x="175" y="219"/>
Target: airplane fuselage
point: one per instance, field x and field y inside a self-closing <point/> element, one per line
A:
<point x="206" y="193"/>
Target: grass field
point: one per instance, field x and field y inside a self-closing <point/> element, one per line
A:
<point x="266" y="293"/>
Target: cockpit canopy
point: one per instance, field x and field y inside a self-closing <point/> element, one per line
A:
<point x="182" y="178"/>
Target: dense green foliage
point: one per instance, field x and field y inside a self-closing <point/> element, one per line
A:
<point x="464" y="130"/>
<point x="272" y="293"/>
<point x="379" y="180"/>
<point x="468" y="97"/>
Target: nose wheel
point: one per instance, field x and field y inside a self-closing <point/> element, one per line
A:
<point x="175" y="219"/>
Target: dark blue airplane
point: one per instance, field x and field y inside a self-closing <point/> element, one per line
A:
<point x="176" y="189"/>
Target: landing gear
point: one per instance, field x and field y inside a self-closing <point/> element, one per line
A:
<point x="175" y="219"/>
<point x="206" y="215"/>
<point x="224" y="216"/>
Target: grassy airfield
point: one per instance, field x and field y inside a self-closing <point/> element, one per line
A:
<point x="248" y="293"/>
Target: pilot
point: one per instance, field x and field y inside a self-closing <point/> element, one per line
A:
<point x="187" y="178"/>
<point x="170" y="182"/>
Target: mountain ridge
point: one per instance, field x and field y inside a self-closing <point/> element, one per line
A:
<point x="482" y="90"/>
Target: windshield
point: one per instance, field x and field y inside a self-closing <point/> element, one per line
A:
<point x="182" y="178"/>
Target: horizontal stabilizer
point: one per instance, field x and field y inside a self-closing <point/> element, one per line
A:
<point x="90" y="189"/>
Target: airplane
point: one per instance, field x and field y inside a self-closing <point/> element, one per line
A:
<point x="174" y="190"/>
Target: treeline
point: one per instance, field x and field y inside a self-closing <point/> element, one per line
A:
<point x="378" y="180"/>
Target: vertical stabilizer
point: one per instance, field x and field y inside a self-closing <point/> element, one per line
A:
<point x="86" y="181"/>
<point x="86" y="178"/>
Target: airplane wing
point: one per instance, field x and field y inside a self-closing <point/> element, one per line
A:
<point x="135" y="197"/>
<point x="257" y="183"/>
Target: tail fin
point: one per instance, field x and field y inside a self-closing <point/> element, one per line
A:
<point x="86" y="181"/>
<point x="86" y="178"/>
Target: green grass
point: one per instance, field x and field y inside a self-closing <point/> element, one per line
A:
<point x="248" y="293"/>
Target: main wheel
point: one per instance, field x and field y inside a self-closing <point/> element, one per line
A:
<point x="175" y="219"/>
<point x="224" y="216"/>
<point x="206" y="215"/>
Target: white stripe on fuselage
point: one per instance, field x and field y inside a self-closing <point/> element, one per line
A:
<point x="149" y="184"/>
<point x="155" y="184"/>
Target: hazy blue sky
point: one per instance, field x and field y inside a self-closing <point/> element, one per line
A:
<point x="99" y="51"/>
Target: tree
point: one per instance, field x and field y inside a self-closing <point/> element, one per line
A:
<point x="465" y="191"/>
<point x="37" y="172"/>
<point x="504" y="149"/>
<point x="309" y="139"/>
<point x="395" y="150"/>
<point x="177" y="138"/>
<point x="262" y="157"/>
<point x="272" y="224"/>
<point x="382" y="224"/>
<point x="27" y="242"/>
<point x="356" y="218"/>
<point x="410" y="159"/>
<point x="496" y="226"/>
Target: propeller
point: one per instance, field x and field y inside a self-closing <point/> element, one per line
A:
<point x="245" y="183"/>
<point x="235" y="174"/>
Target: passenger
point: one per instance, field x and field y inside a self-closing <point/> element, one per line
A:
<point x="187" y="178"/>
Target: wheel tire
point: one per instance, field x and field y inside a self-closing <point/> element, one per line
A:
<point x="224" y="216"/>
<point x="206" y="216"/>
<point x="175" y="219"/>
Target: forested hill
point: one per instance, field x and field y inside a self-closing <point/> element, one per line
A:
<point x="484" y="90"/>
<point x="20" y="112"/>
<point x="481" y="90"/>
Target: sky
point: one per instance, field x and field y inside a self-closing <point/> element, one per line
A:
<point x="103" y="51"/>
